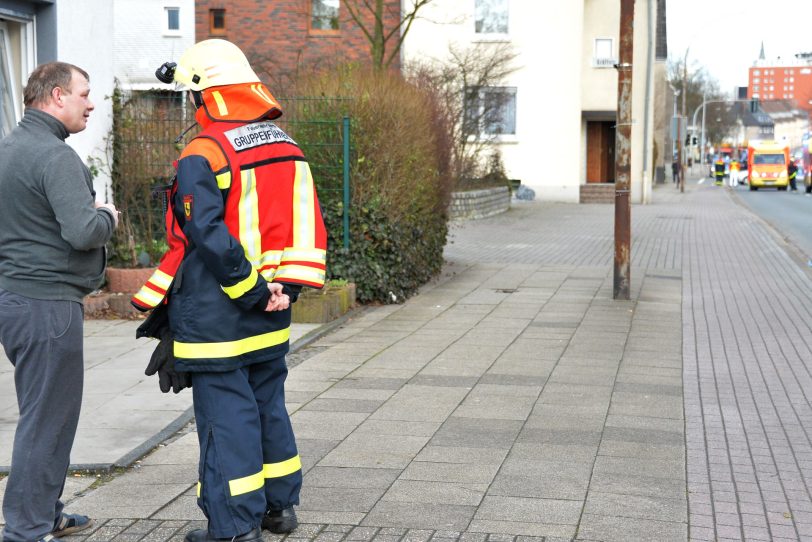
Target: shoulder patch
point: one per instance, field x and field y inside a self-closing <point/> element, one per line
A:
<point x="187" y="205"/>
<point x="256" y="134"/>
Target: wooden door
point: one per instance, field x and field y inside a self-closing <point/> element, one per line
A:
<point x="600" y="152"/>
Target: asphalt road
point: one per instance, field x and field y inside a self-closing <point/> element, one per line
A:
<point x="788" y="212"/>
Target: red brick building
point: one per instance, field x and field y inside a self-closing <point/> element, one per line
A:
<point x="283" y="37"/>
<point x="782" y="81"/>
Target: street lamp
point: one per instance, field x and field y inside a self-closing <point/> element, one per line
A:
<point x="702" y="107"/>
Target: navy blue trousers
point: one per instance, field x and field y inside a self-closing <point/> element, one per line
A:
<point x="248" y="457"/>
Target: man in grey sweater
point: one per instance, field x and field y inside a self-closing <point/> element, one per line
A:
<point x="52" y="238"/>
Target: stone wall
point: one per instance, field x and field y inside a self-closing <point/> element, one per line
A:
<point x="479" y="203"/>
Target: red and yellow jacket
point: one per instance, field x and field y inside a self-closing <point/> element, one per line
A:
<point x="243" y="212"/>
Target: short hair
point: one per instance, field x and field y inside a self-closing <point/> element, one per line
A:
<point x="45" y="78"/>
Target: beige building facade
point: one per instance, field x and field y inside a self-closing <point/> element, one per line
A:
<point x="564" y="87"/>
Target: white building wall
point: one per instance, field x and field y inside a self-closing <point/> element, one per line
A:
<point x="599" y="90"/>
<point x="556" y="85"/>
<point x="84" y="38"/>
<point x="547" y="81"/>
<point x="142" y="42"/>
<point x="117" y="39"/>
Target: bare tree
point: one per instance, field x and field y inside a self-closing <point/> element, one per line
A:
<point x="371" y="16"/>
<point x="697" y="85"/>
<point x="471" y="114"/>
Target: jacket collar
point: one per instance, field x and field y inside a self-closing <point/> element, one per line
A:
<point x="242" y="103"/>
<point x="39" y="118"/>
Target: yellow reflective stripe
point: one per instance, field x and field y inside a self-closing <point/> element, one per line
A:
<point x="148" y="296"/>
<point x="304" y="218"/>
<point x="250" y="237"/>
<point x="229" y="349"/>
<point x="268" y="274"/>
<point x="246" y="484"/>
<point x="223" y="180"/>
<point x="283" y="468"/>
<point x="300" y="272"/>
<point x="315" y="255"/>
<point x="243" y="286"/>
<point x="198" y="490"/>
<point x="221" y="103"/>
<point x="161" y="279"/>
<point x="269" y="257"/>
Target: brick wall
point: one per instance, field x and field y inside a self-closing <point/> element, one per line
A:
<point x="597" y="193"/>
<point x="479" y="203"/>
<point x="275" y="36"/>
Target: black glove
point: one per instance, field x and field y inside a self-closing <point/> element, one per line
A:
<point x="163" y="363"/>
<point x="163" y="359"/>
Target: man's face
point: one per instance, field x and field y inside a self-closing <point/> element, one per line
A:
<point x="76" y="104"/>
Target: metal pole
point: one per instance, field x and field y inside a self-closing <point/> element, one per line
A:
<point x="683" y="116"/>
<point x="346" y="210"/>
<point x="679" y="156"/>
<point x="623" y="153"/>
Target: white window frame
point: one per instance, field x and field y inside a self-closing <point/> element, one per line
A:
<point x="171" y="31"/>
<point x="492" y="36"/>
<point x="599" y="59"/>
<point x="11" y="83"/>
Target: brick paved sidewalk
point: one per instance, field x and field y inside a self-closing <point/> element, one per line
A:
<point x="514" y="400"/>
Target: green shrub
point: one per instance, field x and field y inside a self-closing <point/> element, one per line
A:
<point x="399" y="189"/>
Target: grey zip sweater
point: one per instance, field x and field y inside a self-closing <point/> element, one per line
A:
<point x="51" y="236"/>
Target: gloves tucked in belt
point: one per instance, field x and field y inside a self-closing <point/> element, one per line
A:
<point x="163" y="359"/>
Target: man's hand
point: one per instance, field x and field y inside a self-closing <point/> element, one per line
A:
<point x="113" y="211"/>
<point x="278" y="301"/>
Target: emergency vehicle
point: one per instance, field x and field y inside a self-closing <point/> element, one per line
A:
<point x="767" y="163"/>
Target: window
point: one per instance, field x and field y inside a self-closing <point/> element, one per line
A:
<point x="490" y="111"/>
<point x="756" y="79"/>
<point x="8" y="108"/>
<point x="756" y="72"/>
<point x="604" y="53"/>
<point x="324" y="15"/>
<point x="172" y="20"/>
<point x="217" y="21"/>
<point x="755" y="88"/>
<point x="491" y="17"/>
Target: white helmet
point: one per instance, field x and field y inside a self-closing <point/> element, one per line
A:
<point x="213" y="63"/>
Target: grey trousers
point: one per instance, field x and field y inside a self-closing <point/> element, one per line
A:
<point x="43" y="340"/>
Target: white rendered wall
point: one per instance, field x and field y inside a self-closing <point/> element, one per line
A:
<point x="142" y="42"/>
<point x="548" y="100"/>
<point x="84" y="38"/>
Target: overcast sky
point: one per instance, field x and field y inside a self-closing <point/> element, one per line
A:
<point x="725" y="37"/>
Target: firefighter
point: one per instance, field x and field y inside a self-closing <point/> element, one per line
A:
<point x="734" y="172"/>
<point x="246" y="234"/>
<point x="792" y="173"/>
<point x="719" y="171"/>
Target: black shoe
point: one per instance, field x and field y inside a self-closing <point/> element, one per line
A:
<point x="202" y="535"/>
<point x="280" y="521"/>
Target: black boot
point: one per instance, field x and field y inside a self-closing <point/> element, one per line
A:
<point x="280" y="521"/>
<point x="202" y="535"/>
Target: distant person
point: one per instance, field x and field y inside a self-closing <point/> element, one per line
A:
<point x="734" y="173"/>
<point x="675" y="171"/>
<point x="53" y="234"/>
<point x="719" y="171"/>
<point x="792" y="173"/>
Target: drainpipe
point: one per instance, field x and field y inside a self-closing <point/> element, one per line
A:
<point x="646" y="109"/>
